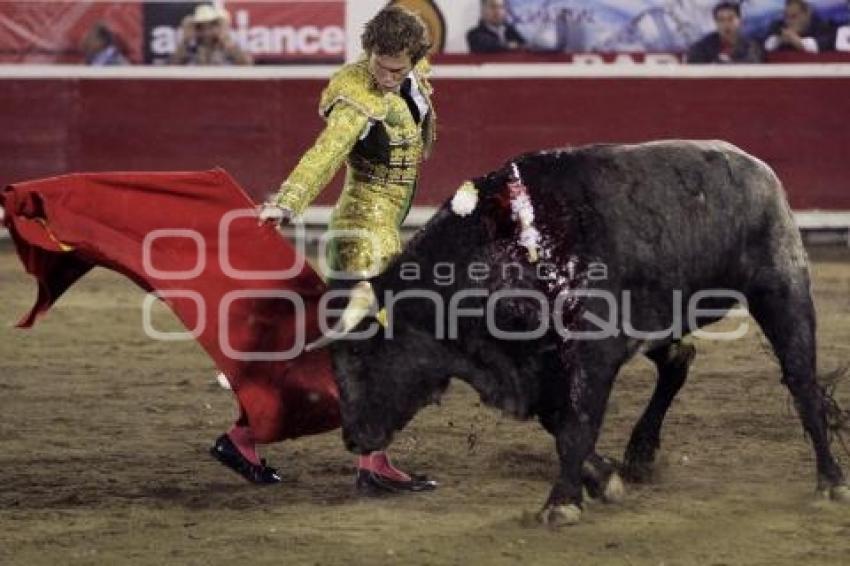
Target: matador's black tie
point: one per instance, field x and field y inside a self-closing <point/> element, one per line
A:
<point x="408" y="98"/>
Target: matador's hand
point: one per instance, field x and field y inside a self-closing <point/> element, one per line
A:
<point x="271" y="213"/>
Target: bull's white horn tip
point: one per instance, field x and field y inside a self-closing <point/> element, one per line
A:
<point x="223" y="381"/>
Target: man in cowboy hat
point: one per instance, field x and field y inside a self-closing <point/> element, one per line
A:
<point x="207" y="41"/>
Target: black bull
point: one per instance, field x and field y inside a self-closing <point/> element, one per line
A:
<point x="649" y="226"/>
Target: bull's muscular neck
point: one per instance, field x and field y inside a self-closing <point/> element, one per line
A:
<point x="520" y="377"/>
<point x="510" y="375"/>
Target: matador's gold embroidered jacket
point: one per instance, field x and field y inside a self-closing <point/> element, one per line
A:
<point x="376" y="135"/>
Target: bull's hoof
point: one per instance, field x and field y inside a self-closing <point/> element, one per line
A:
<point x="601" y="480"/>
<point x="560" y="515"/>
<point x="615" y="490"/>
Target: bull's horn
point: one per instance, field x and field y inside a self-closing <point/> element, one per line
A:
<point x="360" y="304"/>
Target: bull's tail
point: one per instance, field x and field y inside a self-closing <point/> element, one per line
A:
<point x="837" y="418"/>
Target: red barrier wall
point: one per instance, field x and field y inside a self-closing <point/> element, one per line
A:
<point x="257" y="128"/>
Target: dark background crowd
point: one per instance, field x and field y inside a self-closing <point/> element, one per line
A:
<point x="206" y="37"/>
<point x="797" y="28"/>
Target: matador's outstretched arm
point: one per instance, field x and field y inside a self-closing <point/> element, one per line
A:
<point x="314" y="171"/>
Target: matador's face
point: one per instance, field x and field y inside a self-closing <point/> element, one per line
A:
<point x="389" y="71"/>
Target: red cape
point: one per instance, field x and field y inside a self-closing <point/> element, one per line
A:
<point x="64" y="226"/>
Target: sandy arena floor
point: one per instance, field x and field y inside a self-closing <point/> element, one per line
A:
<point x="104" y="436"/>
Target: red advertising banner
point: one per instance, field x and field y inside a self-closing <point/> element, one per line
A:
<point x="281" y="31"/>
<point x="52" y="32"/>
<point x="290" y="31"/>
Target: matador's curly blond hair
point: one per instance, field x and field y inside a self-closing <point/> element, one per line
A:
<point x="395" y="30"/>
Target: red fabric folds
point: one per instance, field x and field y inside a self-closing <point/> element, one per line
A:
<point x="64" y="226"/>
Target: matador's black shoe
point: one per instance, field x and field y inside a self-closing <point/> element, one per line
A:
<point x="226" y="452"/>
<point x="372" y="483"/>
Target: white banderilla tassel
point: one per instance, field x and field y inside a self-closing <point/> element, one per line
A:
<point x="523" y="212"/>
<point x="465" y="199"/>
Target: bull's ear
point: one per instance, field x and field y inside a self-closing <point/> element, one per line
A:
<point x="360" y="304"/>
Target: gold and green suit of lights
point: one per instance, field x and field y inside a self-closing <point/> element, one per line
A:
<point x="382" y="167"/>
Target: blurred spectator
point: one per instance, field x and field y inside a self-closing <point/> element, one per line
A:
<point x="842" y="39"/>
<point x="494" y="34"/>
<point x="728" y="44"/>
<point x="800" y="30"/>
<point x="206" y="40"/>
<point x="100" y="48"/>
<point x="842" y="35"/>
